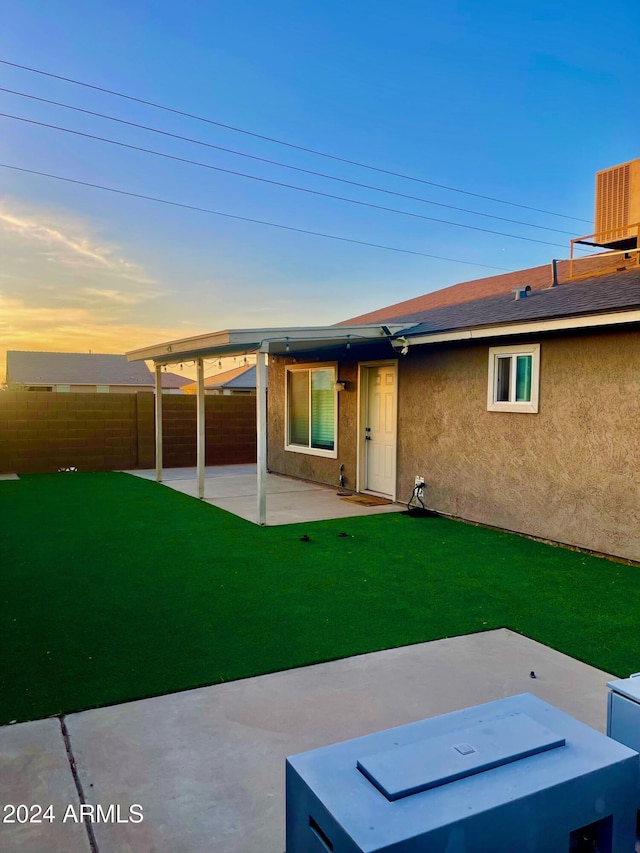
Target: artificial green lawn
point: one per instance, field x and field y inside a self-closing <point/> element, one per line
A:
<point x="115" y="588"/>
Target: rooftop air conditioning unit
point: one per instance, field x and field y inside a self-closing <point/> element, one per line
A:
<point x="617" y="215"/>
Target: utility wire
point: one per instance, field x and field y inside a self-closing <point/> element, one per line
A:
<point x="277" y="183"/>
<point x="282" y="142"/>
<point x="246" y="218"/>
<point x="279" y="163"/>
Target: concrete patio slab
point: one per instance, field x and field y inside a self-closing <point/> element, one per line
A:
<point x="240" y="486"/>
<point x="316" y="504"/>
<point x="191" y="473"/>
<point x="34" y="771"/>
<point x="234" y="489"/>
<point x="207" y="765"/>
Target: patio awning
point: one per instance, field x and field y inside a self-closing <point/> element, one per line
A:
<point x="267" y="341"/>
<point x="276" y="341"/>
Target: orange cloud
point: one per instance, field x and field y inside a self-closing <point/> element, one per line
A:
<point x="64" y="290"/>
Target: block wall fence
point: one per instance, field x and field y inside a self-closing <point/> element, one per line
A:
<point x="42" y="431"/>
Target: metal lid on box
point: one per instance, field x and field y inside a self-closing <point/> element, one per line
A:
<point x="406" y="770"/>
<point x="629" y="687"/>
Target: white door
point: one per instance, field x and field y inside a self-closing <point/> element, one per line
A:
<point x="380" y="430"/>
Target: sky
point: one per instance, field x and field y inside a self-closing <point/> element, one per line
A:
<point x="521" y="102"/>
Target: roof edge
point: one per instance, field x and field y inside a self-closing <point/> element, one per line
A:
<point x="530" y="326"/>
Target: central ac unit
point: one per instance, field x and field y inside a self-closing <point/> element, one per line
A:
<point x="617" y="214"/>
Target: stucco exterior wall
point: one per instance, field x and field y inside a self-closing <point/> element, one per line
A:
<point x="569" y="473"/>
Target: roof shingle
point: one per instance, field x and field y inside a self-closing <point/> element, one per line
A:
<point x="75" y="368"/>
<point x="469" y="291"/>
<point x="602" y="294"/>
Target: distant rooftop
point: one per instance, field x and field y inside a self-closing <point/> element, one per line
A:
<point x="238" y="378"/>
<point x="172" y="380"/>
<point x="77" y="368"/>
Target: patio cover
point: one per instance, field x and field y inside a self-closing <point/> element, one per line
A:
<point x="268" y="341"/>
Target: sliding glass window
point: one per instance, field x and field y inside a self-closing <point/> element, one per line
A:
<point x="311" y="410"/>
<point x="514" y="378"/>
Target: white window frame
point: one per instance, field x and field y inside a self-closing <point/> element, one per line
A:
<point x="530" y="406"/>
<point x="296" y="448"/>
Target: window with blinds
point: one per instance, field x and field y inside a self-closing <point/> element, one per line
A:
<point x="299" y="409"/>
<point x="311" y="410"/>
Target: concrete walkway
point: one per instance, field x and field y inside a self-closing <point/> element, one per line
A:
<point x="207" y="765"/>
<point x="234" y="488"/>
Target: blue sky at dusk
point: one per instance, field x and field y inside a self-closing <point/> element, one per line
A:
<point x="519" y="101"/>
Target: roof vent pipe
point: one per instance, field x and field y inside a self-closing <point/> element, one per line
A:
<point x="554" y="273"/>
<point x="521" y="292"/>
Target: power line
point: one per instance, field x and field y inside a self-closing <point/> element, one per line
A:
<point x="279" y="163"/>
<point x="277" y="183"/>
<point x="246" y="218"/>
<point x="282" y="142"/>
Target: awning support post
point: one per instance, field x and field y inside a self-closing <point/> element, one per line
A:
<point x="201" y="437"/>
<point x="261" y="434"/>
<point x="158" y="411"/>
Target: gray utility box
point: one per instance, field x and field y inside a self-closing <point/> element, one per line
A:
<point x="623" y="711"/>
<point x="512" y="775"/>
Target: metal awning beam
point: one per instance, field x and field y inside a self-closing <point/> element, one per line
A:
<point x="281" y="341"/>
<point x="158" y="421"/>
<point x="261" y="436"/>
<point x="201" y="439"/>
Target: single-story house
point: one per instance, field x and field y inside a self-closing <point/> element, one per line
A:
<point x="238" y="380"/>
<point x="520" y="410"/>
<point x="84" y="373"/>
<point x="516" y="397"/>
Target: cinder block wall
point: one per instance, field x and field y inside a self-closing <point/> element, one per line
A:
<point x="43" y="431"/>
<point x="230" y="424"/>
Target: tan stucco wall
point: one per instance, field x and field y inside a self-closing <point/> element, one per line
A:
<point x="570" y="473"/>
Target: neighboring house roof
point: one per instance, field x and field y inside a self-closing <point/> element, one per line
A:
<point x="238" y="378"/>
<point x="618" y="291"/>
<point x="469" y="291"/>
<point x="74" y="368"/>
<point x="171" y="380"/>
<point x="246" y="379"/>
